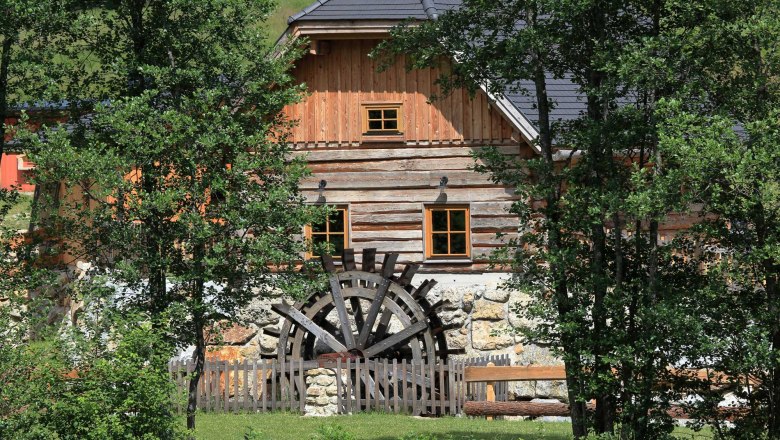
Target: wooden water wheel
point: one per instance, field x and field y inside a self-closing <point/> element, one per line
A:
<point x="365" y="314"/>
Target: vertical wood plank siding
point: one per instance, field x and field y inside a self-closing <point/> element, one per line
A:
<point x="344" y="78"/>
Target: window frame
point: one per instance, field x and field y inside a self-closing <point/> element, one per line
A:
<point x="428" y="232"/>
<point x="309" y="233"/>
<point x="367" y="107"/>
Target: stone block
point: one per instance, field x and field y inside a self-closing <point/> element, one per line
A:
<point x="497" y="295"/>
<point x="467" y="301"/>
<point x="452" y="298"/>
<point x="456" y="339"/>
<point x="488" y="310"/>
<point x="314" y="391"/>
<point x="487" y="335"/>
<point x="456" y="317"/>
<point x="324" y="380"/>
<point x="268" y="343"/>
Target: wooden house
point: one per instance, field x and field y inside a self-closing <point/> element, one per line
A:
<point x="396" y="165"/>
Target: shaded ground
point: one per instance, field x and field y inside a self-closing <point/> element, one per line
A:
<point x="285" y="426"/>
<point x="19" y="216"/>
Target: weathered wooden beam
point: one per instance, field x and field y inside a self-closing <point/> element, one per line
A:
<point x="327" y="264"/>
<point x="514" y="373"/>
<point x="299" y="318"/>
<point x="373" y="312"/>
<point x="348" y="259"/>
<point x="533" y="372"/>
<point x="545" y="409"/>
<point x="369" y="260"/>
<point x="341" y="309"/>
<point x="388" y="265"/>
<point x="396" y="338"/>
<point x="528" y="409"/>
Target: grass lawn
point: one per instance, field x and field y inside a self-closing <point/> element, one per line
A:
<point x="19" y="215"/>
<point x="285" y="426"/>
<point x="277" y="22"/>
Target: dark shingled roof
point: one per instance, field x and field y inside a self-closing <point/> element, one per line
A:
<point x="569" y="103"/>
<point x="361" y="10"/>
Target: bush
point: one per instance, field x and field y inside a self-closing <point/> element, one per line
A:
<point x="121" y="393"/>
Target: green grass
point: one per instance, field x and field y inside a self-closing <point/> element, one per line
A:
<point x="285" y="426"/>
<point x="277" y="22"/>
<point x="19" y="215"/>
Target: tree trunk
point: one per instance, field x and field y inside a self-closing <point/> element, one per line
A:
<point x="5" y="60"/>
<point x="198" y="321"/>
<point x="199" y="357"/>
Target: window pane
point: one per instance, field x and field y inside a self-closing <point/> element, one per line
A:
<point x="458" y="243"/>
<point x="318" y="227"/>
<point x="337" y="221"/>
<point x="439" y="220"/>
<point x="457" y="220"/>
<point x="391" y="114"/>
<point x="374" y="125"/>
<point x="318" y="244"/>
<point x="439" y="244"/>
<point x="375" y="114"/>
<point x="337" y="244"/>
<point x="391" y="125"/>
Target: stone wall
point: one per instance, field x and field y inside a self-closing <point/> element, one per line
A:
<point x="479" y="310"/>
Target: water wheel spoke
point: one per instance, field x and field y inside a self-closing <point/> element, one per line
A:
<point x="341" y="309"/>
<point x="402" y="336"/>
<point x="373" y="312"/>
<point x="302" y="320"/>
<point x="357" y="312"/>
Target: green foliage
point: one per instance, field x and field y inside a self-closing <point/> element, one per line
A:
<point x="179" y="188"/>
<point x="665" y="84"/>
<point x="69" y="384"/>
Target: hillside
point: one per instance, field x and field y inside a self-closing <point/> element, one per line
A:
<point x="277" y="23"/>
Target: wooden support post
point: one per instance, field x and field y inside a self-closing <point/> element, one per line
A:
<point x="490" y="391"/>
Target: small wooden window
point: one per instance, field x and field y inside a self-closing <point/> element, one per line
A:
<point x="332" y="233"/>
<point x="447" y="232"/>
<point x="382" y="120"/>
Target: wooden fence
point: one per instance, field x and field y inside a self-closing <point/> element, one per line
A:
<point x="361" y="385"/>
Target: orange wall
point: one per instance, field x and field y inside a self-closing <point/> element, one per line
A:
<point x="11" y="175"/>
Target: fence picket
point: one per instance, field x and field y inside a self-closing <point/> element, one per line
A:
<point x="348" y="383"/>
<point x="256" y="384"/>
<point x="396" y="389"/>
<point x="264" y="390"/>
<point x="273" y="385"/>
<point x="339" y="402"/>
<point x="235" y="386"/>
<point x="403" y="388"/>
<point x="386" y="380"/>
<point x="415" y="406"/>
<point x="302" y="387"/>
<point x="442" y="394"/>
<point x="375" y="385"/>
<point x="361" y="385"/>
